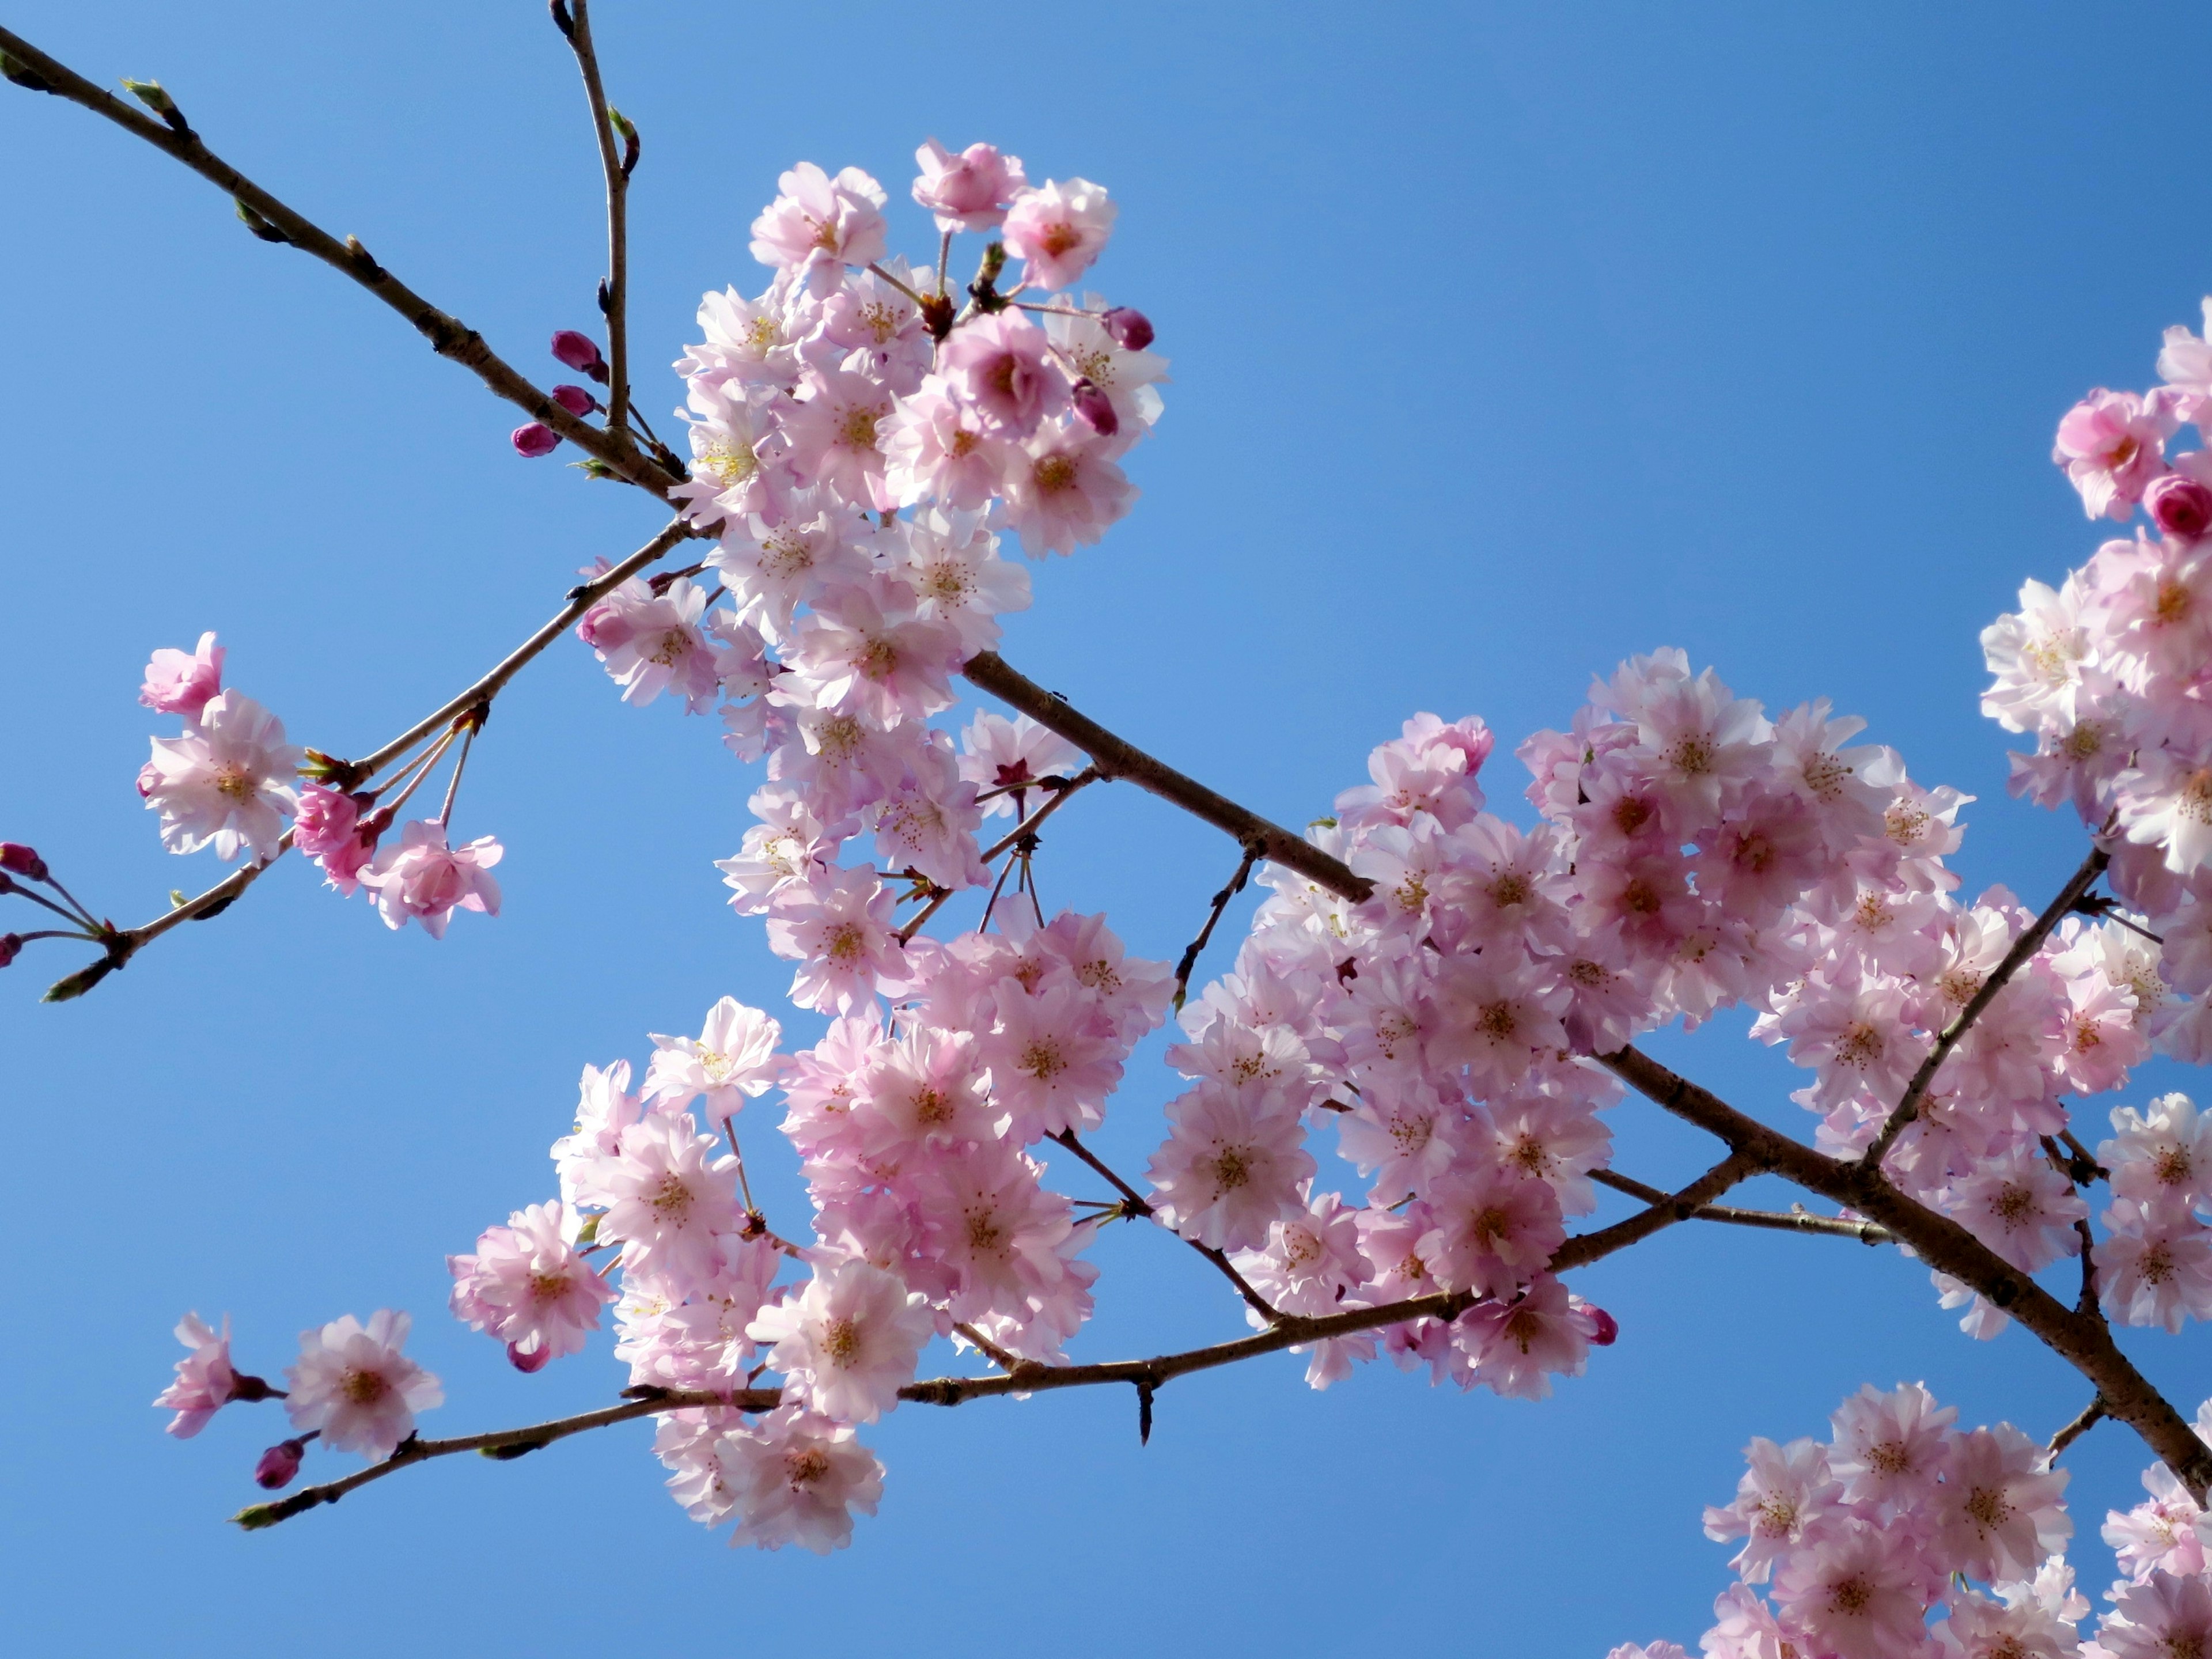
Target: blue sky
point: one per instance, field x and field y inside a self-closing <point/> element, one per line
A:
<point x="1507" y="341"/>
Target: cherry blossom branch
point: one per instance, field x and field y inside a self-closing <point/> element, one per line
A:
<point x="1021" y="1376"/>
<point x="272" y="221"/>
<point x="1788" y="1221"/>
<point x="1252" y="853"/>
<point x="2082" y="1341"/>
<point x="471" y="704"/>
<point x="574" y="18"/>
<point x="2092" y="1415"/>
<point x="1113" y="757"/>
<point x="2023" y="949"/>
<point x="1134" y="1204"/>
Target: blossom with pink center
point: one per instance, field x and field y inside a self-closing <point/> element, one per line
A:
<point x="1497" y="1017"/>
<point x="2162" y="1617"/>
<point x="736" y="456"/>
<point x="848" y="1342"/>
<point x="651" y="642"/>
<point x="670" y="1199"/>
<point x="1979" y="1628"/>
<point x="205" y="1382"/>
<point x="1059" y="230"/>
<point x="1518" y="1345"/>
<point x="1495" y="1229"/>
<point x="354" y="1387"/>
<point x="1006" y="1245"/>
<point x="1862" y="1594"/>
<point x="529" y="1287"/>
<point x="1557" y="1140"/>
<point x="999" y="756"/>
<point x="423" y="879"/>
<point x="180" y="682"/>
<point x="2001" y="1512"/>
<point x="2157" y="1266"/>
<point x="1003" y="368"/>
<point x="818" y="225"/>
<point x="1062" y="489"/>
<point x="731" y="1060"/>
<point x="1404" y="1133"/>
<point x="1121" y="372"/>
<point x="2021" y="1208"/>
<point x="1431" y="768"/>
<point x="838" y="928"/>
<point x="938" y="445"/>
<point x="1891" y="1449"/>
<point x="835" y="435"/>
<point x="1050" y="1068"/>
<point x="969" y="191"/>
<point x="1786" y="1502"/>
<point x="789" y="842"/>
<point x="2112" y="444"/>
<point x="2162" y="1152"/>
<point x="1233" y="1165"/>
<point x="925" y="1090"/>
<point x="797" y="1478"/>
<point x="865" y="652"/>
<point x="772" y="567"/>
<point x="2163" y="1534"/>
<point x="952" y="565"/>
<point x="228" y="782"/>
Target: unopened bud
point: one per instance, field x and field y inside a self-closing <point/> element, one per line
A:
<point x="579" y="352"/>
<point x="1604" y="1327"/>
<point x="1095" y="407"/>
<point x="20" y="860"/>
<point x="279" y="1464"/>
<point x="1131" y="329"/>
<point x="251" y="1389"/>
<point x="528" y="1360"/>
<point x="2180" y="505"/>
<point x="535" y="440"/>
<point x="11" y="946"/>
<point x="574" y="398"/>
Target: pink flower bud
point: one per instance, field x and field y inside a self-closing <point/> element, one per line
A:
<point x="1131" y="329"/>
<point x="279" y="1464"/>
<point x="11" y="946"/>
<point x="579" y="352"/>
<point x="526" y="1361"/>
<point x="535" y="440"/>
<point x="1095" y="407"/>
<point x="574" y="398"/>
<point x="1604" y="1327"/>
<point x="20" y="860"/>
<point x="149" y="778"/>
<point x="2180" y="505"/>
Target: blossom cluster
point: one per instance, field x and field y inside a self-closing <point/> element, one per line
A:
<point x="231" y="781"/>
<point x="1904" y="1537"/>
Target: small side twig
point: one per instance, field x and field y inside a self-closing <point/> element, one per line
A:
<point x="2092" y="1415"/>
<point x="1253" y="853"/>
<point x="1787" y="1221"/>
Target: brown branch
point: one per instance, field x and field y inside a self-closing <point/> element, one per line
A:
<point x="272" y="221"/>
<point x="2092" y="1415"/>
<point x="2082" y="1341"/>
<point x="2023" y="949"/>
<point x="1090" y="775"/>
<point x="1787" y="1221"/>
<point x="129" y="941"/>
<point x="614" y="298"/>
<point x="1114" y="758"/>
<point x="1021" y="1376"/>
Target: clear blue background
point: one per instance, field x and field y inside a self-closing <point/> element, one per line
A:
<point x="1507" y="341"/>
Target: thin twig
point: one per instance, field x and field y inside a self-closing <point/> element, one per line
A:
<point x="447" y="335"/>
<point x="129" y="941"/>
<point x="1135" y="1203"/>
<point x="1252" y="856"/>
<point x="1114" y="757"/>
<point x="1022" y="1376"/>
<point x="1787" y="1221"/>
<point x="1089" y="775"/>
<point x="615" y="301"/>
<point x="2092" y="1415"/>
<point x="2023" y="948"/>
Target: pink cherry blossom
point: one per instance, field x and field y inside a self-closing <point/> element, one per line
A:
<point x="226" y="783"/>
<point x="819" y="224"/>
<point x="1059" y="230"/>
<point x="731" y="1060"/>
<point x="1003" y="368"/>
<point x="205" y="1382"/>
<point x="423" y="879"/>
<point x="969" y="191"/>
<point x="527" y="1286"/>
<point x="180" y="682"/>
<point x="2111" y="444"/>
<point x="1232" y="1166"/>
<point x="848" y="1342"/>
<point x="354" y="1387"/>
<point x="798" y="1479"/>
